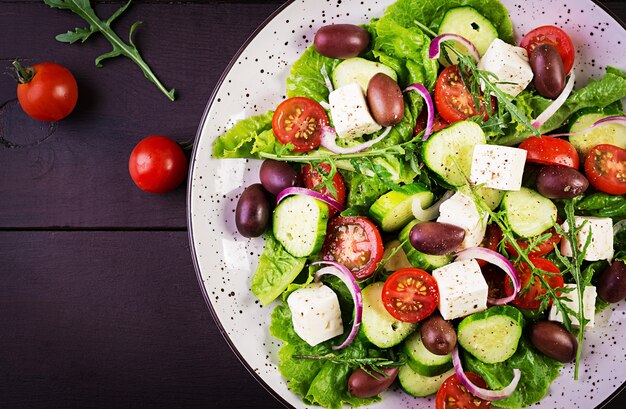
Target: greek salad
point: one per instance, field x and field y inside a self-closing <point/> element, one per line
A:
<point x="441" y="210"/>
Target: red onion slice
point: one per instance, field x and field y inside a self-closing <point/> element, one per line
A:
<point x="430" y="106"/>
<point x="435" y="45"/>
<point x="476" y="390"/>
<point x="496" y="259"/>
<point x="340" y="271"/>
<point x="556" y="104"/>
<point x="619" y="119"/>
<point x="290" y="191"/>
<point x="329" y="141"/>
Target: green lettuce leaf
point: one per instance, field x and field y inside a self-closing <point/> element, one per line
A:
<point x="602" y="205"/>
<point x="276" y="270"/>
<point x="306" y="79"/>
<point x="538" y="372"/>
<point x="240" y="141"/>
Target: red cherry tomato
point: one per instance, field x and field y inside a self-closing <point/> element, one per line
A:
<point x="410" y="294"/>
<point x="547" y="150"/>
<point x="554" y="36"/>
<point x="354" y="242"/>
<point x="422" y="118"/>
<point x="453" y="395"/>
<point x="47" y="91"/>
<point x="605" y="168"/>
<point x="299" y="121"/>
<point x="494" y="237"/>
<point x="313" y="180"/>
<point x="528" y="299"/>
<point x="452" y="98"/>
<point x="157" y="164"/>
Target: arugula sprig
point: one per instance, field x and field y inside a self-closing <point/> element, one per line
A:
<point x="369" y="365"/>
<point x="120" y="48"/>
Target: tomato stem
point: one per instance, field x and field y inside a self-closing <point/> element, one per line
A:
<point x="24" y="75"/>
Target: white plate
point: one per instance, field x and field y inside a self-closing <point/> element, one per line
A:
<point x="255" y="83"/>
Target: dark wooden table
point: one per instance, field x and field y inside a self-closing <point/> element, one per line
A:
<point x="99" y="303"/>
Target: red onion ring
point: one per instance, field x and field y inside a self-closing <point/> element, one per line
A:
<point x="476" y="390"/>
<point x="435" y="45"/>
<point x="556" y="104"/>
<point x="619" y="119"/>
<point x="290" y="191"/>
<point x="430" y="106"/>
<point x="329" y="137"/>
<point x="496" y="259"/>
<point x="340" y="271"/>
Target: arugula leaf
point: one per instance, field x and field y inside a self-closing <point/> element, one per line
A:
<point x="120" y="48"/>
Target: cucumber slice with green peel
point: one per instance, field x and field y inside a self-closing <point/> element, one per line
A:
<point x="299" y="224"/>
<point x="380" y="328"/>
<point x="612" y="134"/>
<point x="528" y="213"/>
<point x="418" y="259"/>
<point x="471" y="25"/>
<point x="359" y="70"/>
<point x="421" y="360"/>
<point x="492" y="197"/>
<point x="393" y="210"/>
<point x="491" y="335"/>
<point x="419" y="385"/>
<point x="449" y="152"/>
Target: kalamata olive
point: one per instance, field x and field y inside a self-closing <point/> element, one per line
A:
<point x="253" y="211"/>
<point x="547" y="66"/>
<point x="612" y="283"/>
<point x="438" y="335"/>
<point x="561" y="182"/>
<point x="362" y="385"/>
<point x="554" y="340"/>
<point x="384" y="99"/>
<point x="341" y="40"/>
<point x="436" y="238"/>
<point x="276" y="176"/>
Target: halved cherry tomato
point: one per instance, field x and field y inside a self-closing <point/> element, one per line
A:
<point x="547" y="150"/>
<point x="492" y="239"/>
<point x="422" y="118"/>
<point x="554" y="36"/>
<point x="313" y="180"/>
<point x="453" y="395"/>
<point x="410" y="294"/>
<point x="528" y="299"/>
<point x="605" y="168"/>
<point x="354" y="242"/>
<point x="452" y="98"/>
<point x="299" y="121"/>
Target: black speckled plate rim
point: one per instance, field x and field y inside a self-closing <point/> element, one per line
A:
<point x="192" y="248"/>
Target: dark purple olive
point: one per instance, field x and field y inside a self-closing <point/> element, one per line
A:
<point x="554" y="340"/>
<point x="547" y="66"/>
<point x="384" y="98"/>
<point x="362" y="385"/>
<point x="561" y="182"/>
<point x="438" y="335"/>
<point x="253" y="211"/>
<point x="341" y="40"/>
<point x="436" y="238"/>
<point x="612" y="283"/>
<point x="276" y="176"/>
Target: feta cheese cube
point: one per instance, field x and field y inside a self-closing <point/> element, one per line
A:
<point x="461" y="211"/>
<point x="510" y="64"/>
<point x="498" y="167"/>
<point x="462" y="289"/>
<point x="349" y="112"/>
<point x="601" y="244"/>
<point x="589" y="305"/>
<point x="315" y="313"/>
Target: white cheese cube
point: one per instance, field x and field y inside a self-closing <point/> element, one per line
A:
<point x="349" y="112"/>
<point x="461" y="211"/>
<point x="498" y="167"/>
<point x="589" y="305"/>
<point x="462" y="289"/>
<point x="315" y="313"/>
<point x="510" y="64"/>
<point x="601" y="244"/>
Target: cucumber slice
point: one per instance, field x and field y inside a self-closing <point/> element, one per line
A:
<point x="421" y="360"/>
<point x="393" y="210"/>
<point x="419" y="385"/>
<point x="491" y="335"/>
<point x="449" y="152"/>
<point x="418" y="259"/>
<point x="528" y="213"/>
<point x="380" y="328"/>
<point x="492" y="197"/>
<point x="470" y="24"/>
<point x="359" y="70"/>
<point x="613" y="134"/>
<point x="299" y="224"/>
